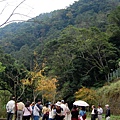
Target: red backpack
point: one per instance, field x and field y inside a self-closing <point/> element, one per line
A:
<point x="84" y="116"/>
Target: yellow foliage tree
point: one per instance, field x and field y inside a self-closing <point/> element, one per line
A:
<point x="32" y="80"/>
<point x="47" y="86"/>
<point x="88" y="95"/>
<point x="41" y="84"/>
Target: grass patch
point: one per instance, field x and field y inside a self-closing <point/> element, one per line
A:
<point x="112" y="117"/>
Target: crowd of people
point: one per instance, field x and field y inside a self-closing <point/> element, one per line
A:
<point x="57" y="111"/>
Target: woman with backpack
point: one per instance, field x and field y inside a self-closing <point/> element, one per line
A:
<point x="82" y="113"/>
<point x="27" y="111"/>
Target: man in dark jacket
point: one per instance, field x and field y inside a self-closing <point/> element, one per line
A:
<point x="107" y="115"/>
<point x="94" y="113"/>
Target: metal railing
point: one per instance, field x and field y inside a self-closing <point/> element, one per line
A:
<point x="114" y="75"/>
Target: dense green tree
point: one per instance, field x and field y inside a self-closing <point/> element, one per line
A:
<point x="24" y="56"/>
<point x="10" y="78"/>
<point x="2" y="68"/>
<point x="97" y="51"/>
<point x="114" y="28"/>
<point x="81" y="57"/>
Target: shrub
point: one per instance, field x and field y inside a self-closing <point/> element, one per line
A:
<point x="4" y="98"/>
<point x="110" y="94"/>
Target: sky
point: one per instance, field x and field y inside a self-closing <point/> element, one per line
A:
<point x="30" y="8"/>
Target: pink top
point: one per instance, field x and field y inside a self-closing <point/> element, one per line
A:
<point x="27" y="111"/>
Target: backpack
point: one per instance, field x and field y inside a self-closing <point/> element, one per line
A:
<point x="84" y="116"/>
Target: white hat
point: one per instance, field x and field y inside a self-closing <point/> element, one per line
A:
<point x="107" y="105"/>
<point x="58" y="103"/>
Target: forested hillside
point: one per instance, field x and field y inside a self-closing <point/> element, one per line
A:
<point x="78" y="45"/>
<point x="82" y="14"/>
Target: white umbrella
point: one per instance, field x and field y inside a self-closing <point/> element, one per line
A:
<point x="80" y="103"/>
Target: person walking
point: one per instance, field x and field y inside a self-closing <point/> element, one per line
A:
<point x="52" y="112"/>
<point x="63" y="106"/>
<point x="82" y="113"/>
<point x="45" y="112"/>
<point x="20" y="109"/>
<point x="27" y="111"/>
<point x="10" y="107"/>
<point x="107" y="115"/>
<point x="100" y="111"/>
<point x="59" y="112"/>
<point x="36" y="110"/>
<point x="74" y="113"/>
<point x="67" y="113"/>
<point x="32" y="106"/>
<point x="94" y="114"/>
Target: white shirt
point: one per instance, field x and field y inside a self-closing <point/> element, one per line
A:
<point x="93" y="111"/>
<point x="36" y="111"/>
<point x="52" y="113"/>
<point x="63" y="106"/>
<point x="100" y="111"/>
<point x="10" y="107"/>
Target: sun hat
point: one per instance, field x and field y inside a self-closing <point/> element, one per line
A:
<point x="62" y="101"/>
<point x="107" y="105"/>
<point x="58" y="103"/>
